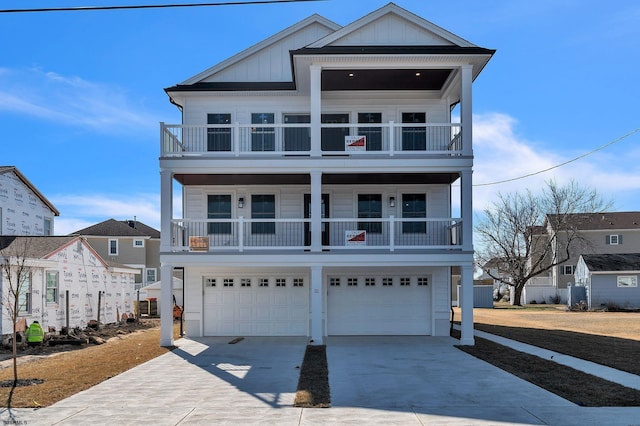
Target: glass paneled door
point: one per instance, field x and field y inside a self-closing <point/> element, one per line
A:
<point x="333" y="137"/>
<point x="324" y="214"/>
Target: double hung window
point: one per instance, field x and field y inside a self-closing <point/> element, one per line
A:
<point x="219" y="138"/>
<point x="263" y="207"/>
<point x="263" y="138"/>
<point x="219" y="207"/>
<point x="370" y="206"/>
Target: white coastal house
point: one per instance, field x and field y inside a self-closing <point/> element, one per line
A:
<point x="316" y="171"/>
<point x="23" y="209"/>
<point x="65" y="282"/>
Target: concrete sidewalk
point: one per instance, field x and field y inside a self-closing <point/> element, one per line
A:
<point x="374" y="380"/>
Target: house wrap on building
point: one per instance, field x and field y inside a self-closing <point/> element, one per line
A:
<point x="64" y="271"/>
<point x="316" y="170"/>
<point x="23" y="209"/>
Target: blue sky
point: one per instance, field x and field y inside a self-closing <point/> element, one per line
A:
<point x="81" y="93"/>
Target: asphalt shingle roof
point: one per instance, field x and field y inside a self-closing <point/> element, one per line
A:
<point x="32" y="247"/>
<point x="612" y="262"/>
<point x="119" y="228"/>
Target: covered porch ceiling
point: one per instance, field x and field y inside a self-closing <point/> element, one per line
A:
<point x="385" y="79"/>
<point x="327" y="179"/>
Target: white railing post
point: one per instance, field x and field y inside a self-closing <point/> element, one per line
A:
<point x="392" y="138"/>
<point x="392" y="233"/>
<point x="236" y="138"/>
<point x="241" y="233"/>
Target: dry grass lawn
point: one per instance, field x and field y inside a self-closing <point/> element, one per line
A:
<point x="69" y="372"/>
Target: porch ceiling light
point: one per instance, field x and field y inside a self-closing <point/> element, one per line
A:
<point x="351" y="74"/>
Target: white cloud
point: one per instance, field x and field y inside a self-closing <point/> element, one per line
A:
<point x="502" y="154"/>
<point x="71" y="101"/>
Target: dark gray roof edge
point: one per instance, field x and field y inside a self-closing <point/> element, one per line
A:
<point x="258" y="86"/>
<point x="398" y="50"/>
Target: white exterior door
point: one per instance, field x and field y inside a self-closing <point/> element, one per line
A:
<point x="379" y="306"/>
<point x="273" y="306"/>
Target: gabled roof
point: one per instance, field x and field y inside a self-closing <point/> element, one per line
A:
<point x="116" y="228"/>
<point x="426" y="33"/>
<point x="36" y="247"/>
<point x="612" y="262"/>
<point x="13" y="169"/>
<point x="602" y="221"/>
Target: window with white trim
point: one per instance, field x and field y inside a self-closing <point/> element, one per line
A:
<point x="113" y="247"/>
<point x="405" y="281"/>
<point x="24" y="295"/>
<point x="627" y="281"/>
<point x="48" y="226"/>
<point x="614" y="239"/>
<point x="568" y="269"/>
<point x="52" y="279"/>
<point x="423" y="281"/>
<point x="334" y="282"/>
<point x="151" y="275"/>
<point x="138" y="242"/>
<point x="228" y="282"/>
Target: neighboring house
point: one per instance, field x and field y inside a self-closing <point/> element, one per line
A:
<point x="602" y="233"/>
<point x="317" y="170"/>
<point x="128" y="242"/>
<point x="153" y="291"/>
<point x="610" y="279"/>
<point x="64" y="281"/>
<point x="23" y="209"/>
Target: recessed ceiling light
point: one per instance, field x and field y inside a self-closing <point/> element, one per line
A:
<point x="417" y="74"/>
<point x="351" y="74"/>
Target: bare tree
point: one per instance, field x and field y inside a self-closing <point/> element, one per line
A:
<point x="528" y="234"/>
<point x="15" y="273"/>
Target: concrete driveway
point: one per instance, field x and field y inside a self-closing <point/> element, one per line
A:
<point x="374" y="380"/>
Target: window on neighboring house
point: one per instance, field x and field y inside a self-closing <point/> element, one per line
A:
<point x="219" y="207"/>
<point x="263" y="138"/>
<point x="24" y="295"/>
<point x="373" y="134"/>
<point x="414" y="138"/>
<point x="627" y="281"/>
<point x="52" y="278"/>
<point x="414" y="206"/>
<point x="219" y="138"/>
<point x="138" y="242"/>
<point x="614" y="240"/>
<point x="297" y="138"/>
<point x="151" y="275"/>
<point x="333" y="137"/>
<point x="263" y="207"/>
<point x="370" y="206"/>
<point x="113" y="247"/>
<point x="48" y="226"/>
<point x="568" y="269"/>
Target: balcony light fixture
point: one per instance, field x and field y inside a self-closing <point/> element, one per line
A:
<point x="392" y="201"/>
<point x="418" y="74"/>
<point x="351" y="74"/>
<point x="240" y="202"/>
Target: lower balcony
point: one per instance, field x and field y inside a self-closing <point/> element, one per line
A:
<point x="386" y="234"/>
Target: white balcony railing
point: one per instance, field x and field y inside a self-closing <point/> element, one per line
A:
<point x="295" y="139"/>
<point x="242" y="234"/>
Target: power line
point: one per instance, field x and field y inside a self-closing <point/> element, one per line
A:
<point x="564" y="163"/>
<point x="149" y="6"/>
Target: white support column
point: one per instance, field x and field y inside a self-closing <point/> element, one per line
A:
<point x="466" y="304"/>
<point x="316" y="210"/>
<point x="166" y="305"/>
<point x="315" y="110"/>
<point x="317" y="304"/>
<point x="466" y="208"/>
<point x="166" y="209"/>
<point x="466" y="79"/>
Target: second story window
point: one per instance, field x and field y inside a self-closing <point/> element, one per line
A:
<point x="263" y="207"/>
<point x="219" y="138"/>
<point x="414" y="138"/>
<point x="333" y="137"/>
<point x="370" y="206"/>
<point x="614" y="240"/>
<point x="297" y="138"/>
<point x="263" y="138"/>
<point x="414" y="206"/>
<point x="568" y="269"/>
<point x="113" y="247"/>
<point x="373" y="134"/>
<point x="48" y="226"/>
<point x="219" y="207"/>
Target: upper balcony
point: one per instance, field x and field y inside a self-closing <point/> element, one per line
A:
<point x="294" y="139"/>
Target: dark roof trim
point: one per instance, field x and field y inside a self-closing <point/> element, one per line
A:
<point x="393" y="50"/>
<point x="258" y="86"/>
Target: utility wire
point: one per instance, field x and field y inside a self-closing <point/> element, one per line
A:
<point x="149" y="6"/>
<point x="565" y="163"/>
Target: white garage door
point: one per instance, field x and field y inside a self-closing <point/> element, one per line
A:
<point x="379" y="306"/>
<point x="273" y="306"/>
